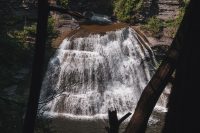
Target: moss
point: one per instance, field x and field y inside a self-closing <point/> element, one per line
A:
<point x="26" y="36"/>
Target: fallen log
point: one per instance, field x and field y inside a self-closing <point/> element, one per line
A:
<point x="63" y="10"/>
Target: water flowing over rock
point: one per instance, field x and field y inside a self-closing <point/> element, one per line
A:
<point x="87" y="76"/>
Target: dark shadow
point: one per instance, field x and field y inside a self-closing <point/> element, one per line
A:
<point x="154" y="8"/>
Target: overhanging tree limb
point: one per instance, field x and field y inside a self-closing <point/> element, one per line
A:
<point x="63" y="10"/>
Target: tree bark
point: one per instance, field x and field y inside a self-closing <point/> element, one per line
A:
<point x="114" y="123"/>
<point x="183" y="114"/>
<point x="36" y="80"/>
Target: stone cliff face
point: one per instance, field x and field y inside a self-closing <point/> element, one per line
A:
<point x="168" y="9"/>
<point x="163" y="9"/>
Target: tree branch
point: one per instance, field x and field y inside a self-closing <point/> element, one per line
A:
<point x="63" y="10"/>
<point x="114" y="122"/>
<point x="124" y="117"/>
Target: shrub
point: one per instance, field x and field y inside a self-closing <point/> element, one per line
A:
<point x="63" y="3"/>
<point x="153" y="25"/>
<point x="124" y="9"/>
<point x="174" y="24"/>
<point x="51" y="31"/>
<point x="27" y="36"/>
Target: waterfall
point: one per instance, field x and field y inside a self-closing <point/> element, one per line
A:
<point x="87" y="76"/>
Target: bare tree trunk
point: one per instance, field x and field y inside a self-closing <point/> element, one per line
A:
<point x="114" y="123"/>
<point x="183" y="114"/>
<point x="37" y="70"/>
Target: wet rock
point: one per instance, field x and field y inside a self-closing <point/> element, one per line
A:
<point x="97" y="18"/>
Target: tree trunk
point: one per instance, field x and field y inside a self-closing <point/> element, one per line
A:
<point x="37" y="70"/>
<point x="114" y="123"/>
<point x="183" y="115"/>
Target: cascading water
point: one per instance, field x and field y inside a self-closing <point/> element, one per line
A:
<point x="87" y="76"/>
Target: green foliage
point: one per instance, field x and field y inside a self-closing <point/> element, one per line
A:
<point x="174" y="24"/>
<point x="51" y="31"/>
<point x="27" y="36"/>
<point x="124" y="9"/>
<point x="16" y="48"/>
<point x="184" y="2"/>
<point x="154" y="25"/>
<point x="63" y="3"/>
<point x="23" y="36"/>
<point x="7" y="22"/>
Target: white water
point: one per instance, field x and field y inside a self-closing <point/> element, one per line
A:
<point x="87" y="76"/>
